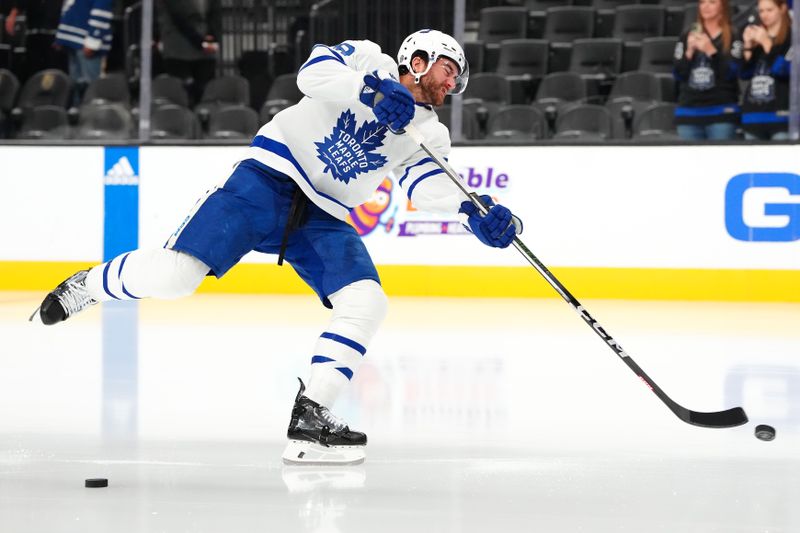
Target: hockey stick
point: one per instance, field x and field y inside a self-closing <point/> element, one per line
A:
<point x="720" y="419"/>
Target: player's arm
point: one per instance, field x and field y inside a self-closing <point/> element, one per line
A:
<point x="430" y="189"/>
<point x="336" y="73"/>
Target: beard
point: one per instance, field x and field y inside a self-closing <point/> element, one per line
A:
<point x="432" y="93"/>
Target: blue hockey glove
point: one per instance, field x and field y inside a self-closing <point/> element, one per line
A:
<point x="395" y="105"/>
<point x="497" y="228"/>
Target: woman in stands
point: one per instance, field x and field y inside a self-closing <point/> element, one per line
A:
<point x="765" y="106"/>
<point x="707" y="60"/>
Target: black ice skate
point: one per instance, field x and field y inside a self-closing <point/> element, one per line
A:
<point x="316" y="436"/>
<point x="68" y="298"/>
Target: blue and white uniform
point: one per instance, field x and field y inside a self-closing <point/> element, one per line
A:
<point x="331" y="145"/>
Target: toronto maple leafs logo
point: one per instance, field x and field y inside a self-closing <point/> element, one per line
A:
<point x="348" y="151"/>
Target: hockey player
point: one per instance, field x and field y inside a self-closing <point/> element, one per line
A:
<point x="290" y="194"/>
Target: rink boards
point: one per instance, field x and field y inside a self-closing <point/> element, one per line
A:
<point x="695" y="222"/>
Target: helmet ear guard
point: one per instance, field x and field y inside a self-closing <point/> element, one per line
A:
<point x="436" y="45"/>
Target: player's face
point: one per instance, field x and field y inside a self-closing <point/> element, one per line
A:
<point x="439" y="81"/>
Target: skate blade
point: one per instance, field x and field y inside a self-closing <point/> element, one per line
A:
<point x="299" y="452"/>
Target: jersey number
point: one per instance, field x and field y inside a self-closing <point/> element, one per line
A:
<point x="345" y="49"/>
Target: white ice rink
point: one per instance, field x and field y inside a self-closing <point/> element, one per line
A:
<point x="483" y="416"/>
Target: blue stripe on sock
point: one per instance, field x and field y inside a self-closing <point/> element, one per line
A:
<point x="344" y="340"/>
<point x="346" y="371"/>
<point x="124" y="290"/>
<point x="320" y="359"/>
<point x="129" y="295"/>
<point x="105" y="280"/>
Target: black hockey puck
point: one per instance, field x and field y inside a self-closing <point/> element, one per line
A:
<point x="765" y="432"/>
<point x="96" y="483"/>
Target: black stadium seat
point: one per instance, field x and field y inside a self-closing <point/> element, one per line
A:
<point x="631" y="94"/>
<point x="584" y="122"/>
<point x="470" y="124"/>
<point x="657" y="55"/>
<point x="282" y="93"/>
<point x="561" y="27"/>
<point x="166" y="90"/>
<point x="605" y="14"/>
<point x="567" y="23"/>
<point x="656" y="122"/>
<point x="537" y="12"/>
<point x="170" y="121"/>
<point x="104" y="122"/>
<point x="498" y="24"/>
<point x="46" y="87"/>
<point x="233" y="122"/>
<point x="224" y="91"/>
<point x="523" y="62"/>
<point x="557" y="92"/>
<point x="517" y="122"/>
<point x="490" y="91"/>
<point x="637" y="22"/>
<point x="599" y="60"/>
<point x="9" y="86"/>
<point x="110" y="88"/>
<point x="47" y="122"/>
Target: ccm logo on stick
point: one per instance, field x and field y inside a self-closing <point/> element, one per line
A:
<point x="763" y="207"/>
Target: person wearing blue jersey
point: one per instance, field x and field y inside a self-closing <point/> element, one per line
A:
<point x="767" y="62"/>
<point x="84" y="31"/>
<point x="706" y="65"/>
<point x="290" y="195"/>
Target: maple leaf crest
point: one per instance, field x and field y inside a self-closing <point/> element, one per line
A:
<point x="349" y="151"/>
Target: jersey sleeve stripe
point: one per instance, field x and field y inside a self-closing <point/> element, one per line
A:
<point x="329" y="49"/>
<point x="408" y="169"/>
<point x="434" y="172"/>
<point x="318" y="59"/>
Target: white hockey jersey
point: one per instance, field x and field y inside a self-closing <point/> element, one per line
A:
<point x="334" y="148"/>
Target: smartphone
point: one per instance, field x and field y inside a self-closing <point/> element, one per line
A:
<point x="697" y="28"/>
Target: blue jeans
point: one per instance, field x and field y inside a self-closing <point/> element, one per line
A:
<point x="717" y="131"/>
<point x="83" y="71"/>
<point x="777" y="136"/>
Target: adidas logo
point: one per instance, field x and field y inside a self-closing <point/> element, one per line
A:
<point x="121" y="173"/>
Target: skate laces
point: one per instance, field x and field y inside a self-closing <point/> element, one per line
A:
<point x="336" y="423"/>
<point x="75" y="297"/>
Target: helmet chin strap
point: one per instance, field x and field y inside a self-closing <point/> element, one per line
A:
<point x="418" y="76"/>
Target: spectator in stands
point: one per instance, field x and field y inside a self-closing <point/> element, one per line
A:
<point x="189" y="33"/>
<point x="85" y="33"/>
<point x="9" y="10"/>
<point x="765" y="106"/>
<point x="41" y="21"/>
<point x="707" y="60"/>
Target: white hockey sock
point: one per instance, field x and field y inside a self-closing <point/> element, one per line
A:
<point x="156" y="272"/>
<point x="358" y="310"/>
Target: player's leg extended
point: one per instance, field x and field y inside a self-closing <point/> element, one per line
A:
<point x="158" y="273"/>
<point x="225" y="225"/>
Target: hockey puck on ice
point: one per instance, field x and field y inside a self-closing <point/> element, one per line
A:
<point x="765" y="432"/>
<point x="95" y="483"/>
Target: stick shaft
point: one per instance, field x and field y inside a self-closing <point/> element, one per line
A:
<point x="709" y="419"/>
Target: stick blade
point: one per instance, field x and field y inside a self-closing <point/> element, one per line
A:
<point x="721" y="419"/>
